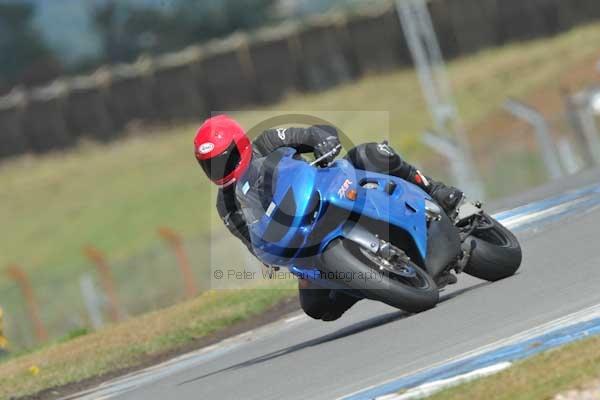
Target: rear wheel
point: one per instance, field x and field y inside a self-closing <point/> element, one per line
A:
<point x="401" y="284"/>
<point x="497" y="254"/>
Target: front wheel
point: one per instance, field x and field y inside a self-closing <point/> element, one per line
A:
<point x="403" y="285"/>
<point x="497" y="254"/>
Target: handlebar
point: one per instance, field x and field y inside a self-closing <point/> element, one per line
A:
<point x="324" y="156"/>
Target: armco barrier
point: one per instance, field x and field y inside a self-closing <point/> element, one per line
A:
<point x="86" y="108"/>
<point x="12" y="138"/>
<point x="323" y="62"/>
<point x="129" y="93"/>
<point x="275" y="56"/>
<point x="444" y="27"/>
<point x="175" y="86"/>
<point x="580" y="11"/>
<point x="377" y="41"/>
<point x="227" y="75"/>
<point x="546" y="20"/>
<point x="474" y="24"/>
<point x="515" y="21"/>
<point x="44" y="119"/>
<point x="262" y="67"/>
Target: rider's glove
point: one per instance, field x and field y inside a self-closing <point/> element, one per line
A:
<point x="329" y="144"/>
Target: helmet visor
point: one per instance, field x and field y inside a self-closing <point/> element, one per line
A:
<point x="224" y="164"/>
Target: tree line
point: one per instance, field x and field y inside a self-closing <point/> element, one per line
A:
<point x="126" y="30"/>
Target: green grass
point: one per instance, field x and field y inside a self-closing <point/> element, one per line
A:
<point x="540" y="377"/>
<point x="127" y="344"/>
<point x="115" y="196"/>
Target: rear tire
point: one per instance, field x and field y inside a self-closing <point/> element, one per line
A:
<point x="345" y="257"/>
<point x="497" y="253"/>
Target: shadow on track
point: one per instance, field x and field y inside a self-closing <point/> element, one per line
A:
<point x="353" y="329"/>
<point x="450" y="296"/>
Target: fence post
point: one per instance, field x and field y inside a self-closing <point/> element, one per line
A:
<point x="542" y="132"/>
<point x="571" y="104"/>
<point x="431" y="70"/>
<point x="106" y="279"/>
<point x="92" y="299"/>
<point x="569" y="160"/>
<point x="24" y="283"/>
<point x="12" y="133"/>
<point x="588" y="123"/>
<point x="461" y="167"/>
<point x="176" y="243"/>
<point x="3" y="340"/>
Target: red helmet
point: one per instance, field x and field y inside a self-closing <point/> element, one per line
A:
<point x="222" y="149"/>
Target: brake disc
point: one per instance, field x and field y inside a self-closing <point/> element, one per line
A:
<point x="401" y="268"/>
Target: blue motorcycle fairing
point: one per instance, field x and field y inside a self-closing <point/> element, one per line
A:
<point x="302" y="192"/>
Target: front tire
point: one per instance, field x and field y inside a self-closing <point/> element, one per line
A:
<point x="497" y="254"/>
<point x="414" y="295"/>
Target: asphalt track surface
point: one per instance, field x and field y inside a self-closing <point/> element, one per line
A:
<point x="372" y="343"/>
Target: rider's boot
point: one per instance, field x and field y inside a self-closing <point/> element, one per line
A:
<point x="448" y="197"/>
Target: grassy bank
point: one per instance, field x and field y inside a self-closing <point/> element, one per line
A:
<point x="115" y="196"/>
<point x="541" y="377"/>
<point x="134" y="342"/>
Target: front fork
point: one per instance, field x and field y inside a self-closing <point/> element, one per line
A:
<point x="373" y="243"/>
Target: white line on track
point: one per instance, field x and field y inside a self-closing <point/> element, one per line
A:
<point x="584" y="315"/>
<point x="296" y="318"/>
<point x="521" y="219"/>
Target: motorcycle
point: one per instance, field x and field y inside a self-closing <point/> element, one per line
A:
<point x="368" y="234"/>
